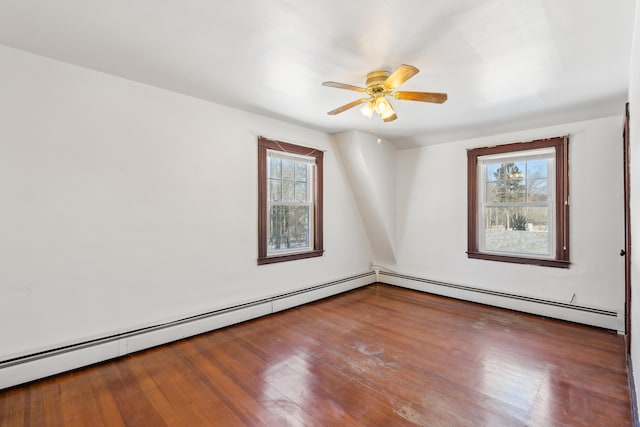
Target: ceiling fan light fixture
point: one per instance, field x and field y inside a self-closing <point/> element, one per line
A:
<point x="388" y="112"/>
<point x="368" y="109"/>
<point x="382" y="105"/>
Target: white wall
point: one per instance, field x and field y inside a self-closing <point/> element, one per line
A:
<point x="634" y="133"/>
<point x="371" y="169"/>
<point x="124" y="205"/>
<point x="432" y="219"/>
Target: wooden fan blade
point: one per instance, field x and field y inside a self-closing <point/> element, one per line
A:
<point x="347" y="106"/>
<point x="344" y="86"/>
<point x="436" y="97"/>
<point x="399" y="76"/>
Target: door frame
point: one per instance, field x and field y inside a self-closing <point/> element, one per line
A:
<point x="627" y="231"/>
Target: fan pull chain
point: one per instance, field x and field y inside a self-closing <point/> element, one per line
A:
<point x="373" y="131"/>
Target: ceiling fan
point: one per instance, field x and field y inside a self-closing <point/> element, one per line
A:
<point x="381" y="84"/>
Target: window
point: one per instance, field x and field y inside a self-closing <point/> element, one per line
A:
<point x="518" y="203"/>
<point x="289" y="202"/>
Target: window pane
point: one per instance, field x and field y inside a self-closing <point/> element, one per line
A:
<point x="287" y="169"/>
<point x="538" y="189"/>
<point x="288" y="227"/>
<point x="505" y="182"/>
<point x="517" y="229"/>
<point x="538" y="180"/>
<point x="275" y="167"/>
<point x="274" y="190"/>
<point x="301" y="172"/>
<point x="301" y="192"/>
<point x="492" y="171"/>
<point x="538" y="168"/>
<point x="505" y="171"/>
<point x="287" y="191"/>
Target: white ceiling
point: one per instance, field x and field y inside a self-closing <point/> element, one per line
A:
<point x="505" y="64"/>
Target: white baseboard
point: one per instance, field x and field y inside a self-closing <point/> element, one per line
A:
<point x="593" y="316"/>
<point x="32" y="367"/>
<point x="313" y="294"/>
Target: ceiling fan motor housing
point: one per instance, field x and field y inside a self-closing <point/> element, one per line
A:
<point x="377" y="78"/>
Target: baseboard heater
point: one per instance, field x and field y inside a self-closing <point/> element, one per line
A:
<point x="608" y="319"/>
<point x="38" y="365"/>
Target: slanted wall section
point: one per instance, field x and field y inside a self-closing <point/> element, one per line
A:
<point x="371" y="170"/>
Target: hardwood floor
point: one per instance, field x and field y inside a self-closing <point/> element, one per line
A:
<point x="376" y="356"/>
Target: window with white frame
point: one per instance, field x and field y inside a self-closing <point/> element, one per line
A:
<point x="290" y="199"/>
<point x="518" y="203"/>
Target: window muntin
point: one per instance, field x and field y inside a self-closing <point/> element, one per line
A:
<point x="518" y="203"/>
<point x="289" y="201"/>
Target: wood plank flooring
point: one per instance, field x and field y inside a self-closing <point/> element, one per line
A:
<point x="376" y="356"/>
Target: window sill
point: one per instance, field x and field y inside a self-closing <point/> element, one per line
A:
<point x="289" y="257"/>
<point x="519" y="260"/>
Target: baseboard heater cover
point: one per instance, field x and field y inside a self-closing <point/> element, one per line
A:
<point x="31" y="367"/>
<point x="603" y="318"/>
